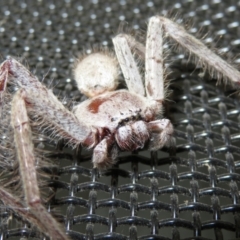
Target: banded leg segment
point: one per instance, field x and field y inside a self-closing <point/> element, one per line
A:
<point x="27" y="168"/>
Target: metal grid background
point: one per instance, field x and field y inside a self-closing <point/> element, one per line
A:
<point x="189" y="191"/>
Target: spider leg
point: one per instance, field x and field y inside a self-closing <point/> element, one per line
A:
<point x="154" y="73"/>
<point x="161" y="133"/>
<point x="25" y="154"/>
<point x="18" y="207"/>
<point x="153" y="54"/>
<point x="104" y="154"/>
<point x="128" y="65"/>
<point x="135" y="46"/>
<point x="161" y="130"/>
<point x="207" y="58"/>
<point x="44" y="106"/>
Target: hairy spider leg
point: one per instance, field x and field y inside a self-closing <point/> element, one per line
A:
<point x="25" y="154"/>
<point x="15" y="204"/>
<point x="153" y="53"/>
<point x="128" y="65"/>
<point x="44" y="106"/>
<point x="208" y="59"/>
<point x="154" y="73"/>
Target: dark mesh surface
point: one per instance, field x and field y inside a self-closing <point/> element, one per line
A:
<point x="189" y="191"/>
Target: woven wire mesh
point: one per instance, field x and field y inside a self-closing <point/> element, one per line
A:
<point x="189" y="191"/>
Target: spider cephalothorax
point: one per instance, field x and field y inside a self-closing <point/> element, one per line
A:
<point x="110" y="119"/>
<point x="124" y="120"/>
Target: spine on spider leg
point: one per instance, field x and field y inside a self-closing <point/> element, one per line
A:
<point x="207" y="58"/>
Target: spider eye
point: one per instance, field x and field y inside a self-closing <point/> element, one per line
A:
<point x="96" y="73"/>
